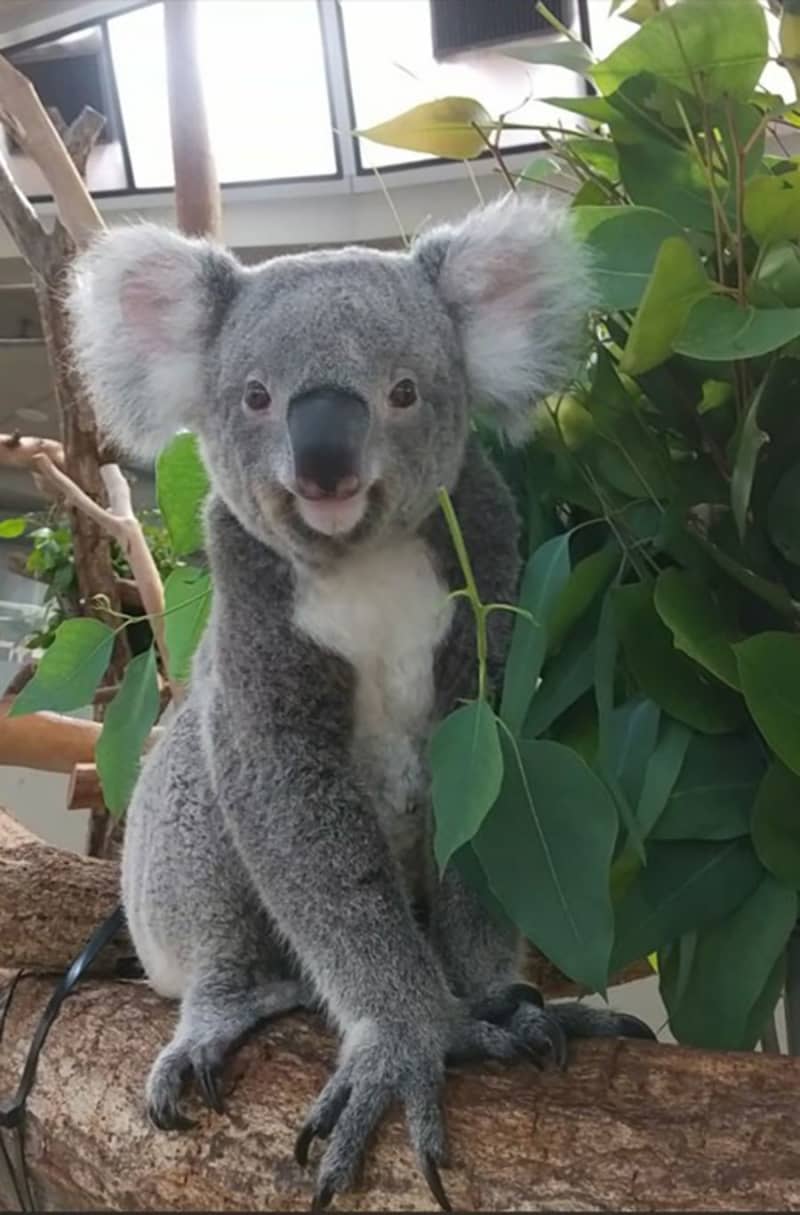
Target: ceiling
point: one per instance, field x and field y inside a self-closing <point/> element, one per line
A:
<point x="17" y="14"/>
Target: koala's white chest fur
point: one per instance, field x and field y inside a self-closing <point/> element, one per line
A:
<point x="385" y="611"/>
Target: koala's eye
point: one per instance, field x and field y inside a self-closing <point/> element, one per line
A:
<point x="403" y="394"/>
<point x="256" y="398"/>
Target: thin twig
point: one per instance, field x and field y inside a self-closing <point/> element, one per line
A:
<point x="120" y="522"/>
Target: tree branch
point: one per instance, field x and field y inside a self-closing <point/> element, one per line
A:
<point x="39" y="138"/>
<point x="120" y="522"/>
<point x="20" y="451"/>
<point x="22" y="223"/>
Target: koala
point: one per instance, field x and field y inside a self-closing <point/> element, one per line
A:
<point x="278" y="843"/>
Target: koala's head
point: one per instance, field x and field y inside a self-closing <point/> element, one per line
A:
<point x="332" y="391"/>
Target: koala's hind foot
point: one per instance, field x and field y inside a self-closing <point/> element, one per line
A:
<point x="384" y="1064"/>
<point x="215" y="1016"/>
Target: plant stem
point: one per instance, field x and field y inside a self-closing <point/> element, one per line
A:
<point x="480" y="612"/>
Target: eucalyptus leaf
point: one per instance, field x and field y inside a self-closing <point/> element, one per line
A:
<point x="666" y="675"/>
<point x="751" y="440"/>
<point x="698" y="623"/>
<point x="684" y="886"/>
<point x="730" y="967"/>
<point x="11" y="528"/>
<point x="772" y="206"/>
<point x="450" y="127"/>
<point x="677" y="282"/>
<point x="713" y="797"/>
<point x="658" y="175"/>
<point x="783" y="515"/>
<point x="545" y="576"/>
<point x="715" y="49"/>
<point x="467" y="772"/>
<point x="187" y="598"/>
<point x="128" y="721"/>
<point x="624" y="243"/>
<point x="546" y="848"/>
<point x="661" y="773"/>
<point x="182" y="486"/>
<point x="70" y="669"/>
<point x="776" y="824"/>
<point x="570" y="54"/>
<point x="718" y="329"/>
<point x="769" y="670"/>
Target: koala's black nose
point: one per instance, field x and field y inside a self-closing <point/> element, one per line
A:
<point x="327" y="428"/>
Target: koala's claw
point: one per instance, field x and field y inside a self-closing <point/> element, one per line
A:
<point x="323" y="1197"/>
<point x="208" y="1081"/>
<point x="430" y="1171"/>
<point x="168" y="1117"/>
<point x="632" y="1027"/>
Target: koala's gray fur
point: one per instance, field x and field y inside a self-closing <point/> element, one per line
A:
<point x="278" y="842"/>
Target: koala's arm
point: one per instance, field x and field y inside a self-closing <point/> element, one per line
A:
<point x="478" y="947"/>
<point x="279" y="717"/>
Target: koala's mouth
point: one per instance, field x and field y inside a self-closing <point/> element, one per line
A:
<point x="332" y="516"/>
<point x="335" y="518"/>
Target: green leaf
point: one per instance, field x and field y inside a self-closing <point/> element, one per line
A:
<point x="776" y="824"/>
<point x="666" y="675"/>
<point x="770" y="592"/>
<point x="187" y="598"/>
<point x="545" y="575"/>
<point x="713" y="795"/>
<point x="569" y="54"/>
<point x="597" y="109"/>
<point x="731" y="965"/>
<point x="684" y="886"/>
<point x="718" y="330"/>
<point x="783" y="515"/>
<point x="546" y="848"/>
<point x="763" y="1011"/>
<point x="566" y="678"/>
<point x="677" y="282"/>
<point x="446" y="127"/>
<point x="661" y="773"/>
<point x="657" y="175"/>
<point x="605" y="665"/>
<point x="589" y="577"/>
<point x="633" y="735"/>
<point x="769" y="669"/>
<point x="624" y="243"/>
<point x="70" y="669"/>
<point x="11" y="528"/>
<point x="772" y="206"/>
<point x="697" y="622"/>
<point x="751" y="439"/>
<point x="181" y="487"/>
<point x="129" y="719"/>
<point x="776" y="282"/>
<point x="467" y="772"/>
<point x="715" y="49"/>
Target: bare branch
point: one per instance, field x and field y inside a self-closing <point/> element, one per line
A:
<point x="22" y="222"/>
<point x="41" y="142"/>
<point x="120" y="522"/>
<point x="81" y="136"/>
<point x="19" y="451"/>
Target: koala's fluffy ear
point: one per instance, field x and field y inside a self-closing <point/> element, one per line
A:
<point x="145" y="304"/>
<point x="518" y="285"/>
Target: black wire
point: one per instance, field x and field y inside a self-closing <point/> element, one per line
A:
<point x="12" y="1111"/>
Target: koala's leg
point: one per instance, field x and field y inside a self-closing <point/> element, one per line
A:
<point x="199" y="930"/>
<point x="480" y="951"/>
<point x="222" y="1005"/>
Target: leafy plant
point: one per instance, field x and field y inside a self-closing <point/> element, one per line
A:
<point x="647" y="800"/>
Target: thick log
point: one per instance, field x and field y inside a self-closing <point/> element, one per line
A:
<point x="630" y="1126"/>
<point x="49" y="742"/>
<point x="50" y="901"/>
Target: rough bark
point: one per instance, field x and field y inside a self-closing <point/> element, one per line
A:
<point x="630" y="1126"/>
<point x="50" y="901"/>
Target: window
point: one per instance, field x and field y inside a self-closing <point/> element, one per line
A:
<point x="265" y="87"/>
<point x="391" y="65"/>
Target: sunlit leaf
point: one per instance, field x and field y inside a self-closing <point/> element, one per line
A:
<point x="187" y="595"/>
<point x="450" y="127"/>
<point x="677" y="282"/>
<point x="11" y="528"/>
<point x="70" y="669"/>
<point x="570" y="54"/>
<point x="129" y="719"/>
<point x="772" y="206"/>
<point x="182" y="486"/>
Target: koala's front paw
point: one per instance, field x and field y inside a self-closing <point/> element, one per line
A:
<point x="385" y="1064"/>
